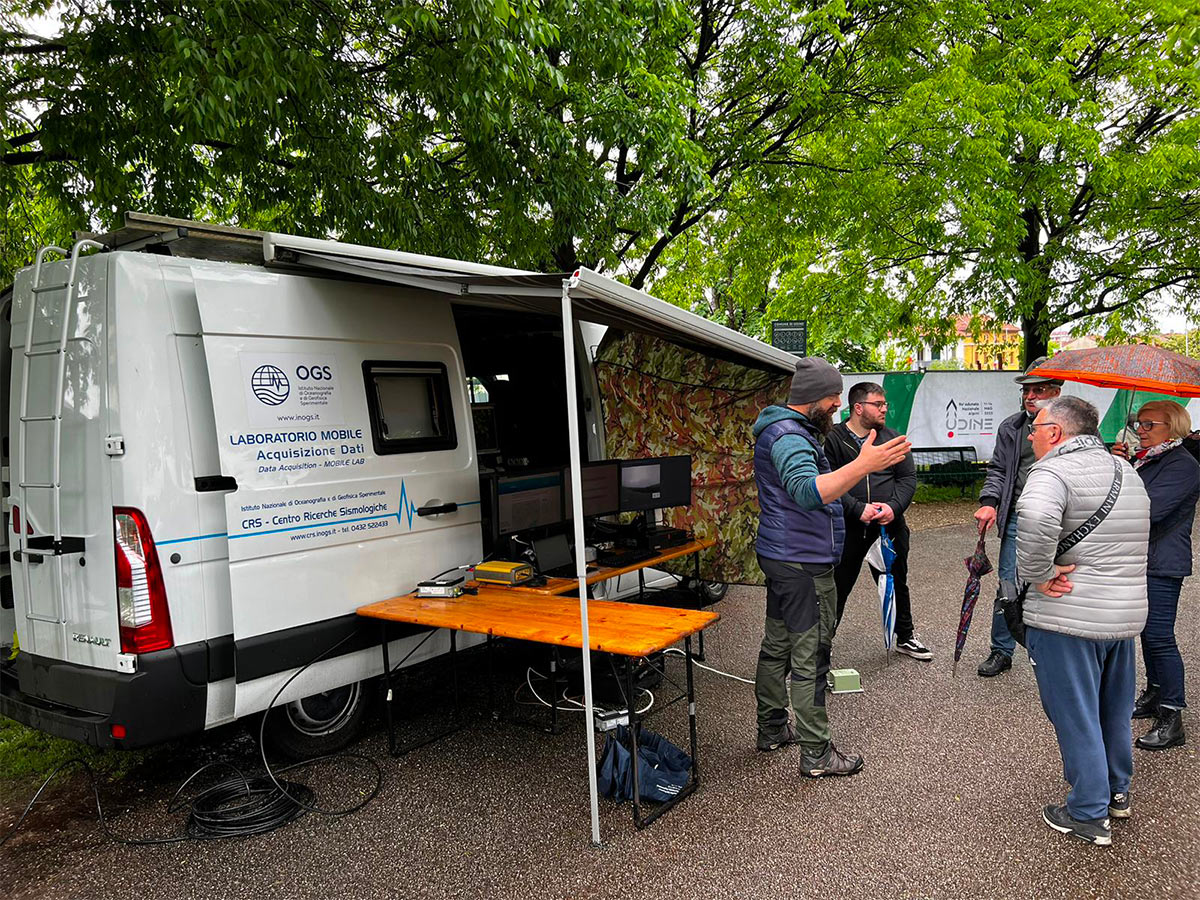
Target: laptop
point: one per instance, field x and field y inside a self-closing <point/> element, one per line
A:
<point x="554" y="557"/>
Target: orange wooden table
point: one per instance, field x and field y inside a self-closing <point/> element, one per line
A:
<point x="632" y="630"/>
<point x="627" y="629"/>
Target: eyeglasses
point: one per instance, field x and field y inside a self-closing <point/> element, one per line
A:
<point x="1039" y="390"/>
<point x="879" y="404"/>
<point x="1145" y="424"/>
<point x="1042" y="424"/>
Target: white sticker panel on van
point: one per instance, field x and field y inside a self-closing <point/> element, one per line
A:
<point x="286" y="390"/>
<point x="320" y="522"/>
<point x="284" y="520"/>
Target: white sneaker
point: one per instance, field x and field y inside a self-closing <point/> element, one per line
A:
<point x="914" y="648"/>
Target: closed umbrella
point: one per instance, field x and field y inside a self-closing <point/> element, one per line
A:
<point x="881" y="566"/>
<point x="978" y="565"/>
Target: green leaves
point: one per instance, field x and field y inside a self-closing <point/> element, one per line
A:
<point x="877" y="169"/>
<point x="1040" y="165"/>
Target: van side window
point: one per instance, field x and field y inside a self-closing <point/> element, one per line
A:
<point x="409" y="404"/>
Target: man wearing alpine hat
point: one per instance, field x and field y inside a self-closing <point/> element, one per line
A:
<point x="1006" y="473"/>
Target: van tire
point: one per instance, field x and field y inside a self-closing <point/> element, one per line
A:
<point x="319" y="724"/>
<point x="709" y="591"/>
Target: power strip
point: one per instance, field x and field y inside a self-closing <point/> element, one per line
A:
<point x="609" y="719"/>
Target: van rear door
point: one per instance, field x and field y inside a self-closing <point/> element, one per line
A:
<point x="64" y="592"/>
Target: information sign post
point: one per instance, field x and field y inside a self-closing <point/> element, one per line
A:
<point x="790" y="335"/>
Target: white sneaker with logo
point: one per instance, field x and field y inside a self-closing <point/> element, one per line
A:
<point x="914" y="648"/>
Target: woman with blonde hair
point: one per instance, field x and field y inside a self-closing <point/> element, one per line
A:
<point x="1172" y="479"/>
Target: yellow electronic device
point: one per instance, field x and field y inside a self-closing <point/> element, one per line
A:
<point x="499" y="572"/>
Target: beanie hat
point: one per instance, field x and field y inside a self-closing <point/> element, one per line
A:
<point x="814" y="380"/>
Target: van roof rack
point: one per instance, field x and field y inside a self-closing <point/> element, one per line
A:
<point x="182" y="237"/>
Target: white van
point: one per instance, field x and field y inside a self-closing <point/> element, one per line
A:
<point x="220" y="443"/>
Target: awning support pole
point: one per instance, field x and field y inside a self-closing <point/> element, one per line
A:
<point x="568" y="330"/>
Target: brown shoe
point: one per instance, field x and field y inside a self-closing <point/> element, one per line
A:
<point x="770" y="739"/>
<point x="830" y="762"/>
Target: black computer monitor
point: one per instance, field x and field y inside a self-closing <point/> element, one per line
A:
<point x="655" y="483"/>
<point x="529" y="500"/>
<point x="601" y="489"/>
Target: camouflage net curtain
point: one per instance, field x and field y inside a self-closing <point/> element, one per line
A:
<point x="661" y="399"/>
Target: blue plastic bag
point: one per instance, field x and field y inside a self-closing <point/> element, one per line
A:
<point x="663" y="769"/>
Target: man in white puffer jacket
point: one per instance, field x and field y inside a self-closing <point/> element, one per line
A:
<point x="1084" y="608"/>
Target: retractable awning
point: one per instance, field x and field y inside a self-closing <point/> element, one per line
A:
<point x="583" y="294"/>
<point x="595" y="298"/>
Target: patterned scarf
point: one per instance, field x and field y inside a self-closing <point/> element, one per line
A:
<point x="1141" y="456"/>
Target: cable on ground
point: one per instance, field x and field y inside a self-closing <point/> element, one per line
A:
<point x="238" y="806"/>
<point x="675" y="651"/>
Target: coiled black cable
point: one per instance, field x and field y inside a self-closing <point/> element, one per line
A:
<point x="237" y="806"/>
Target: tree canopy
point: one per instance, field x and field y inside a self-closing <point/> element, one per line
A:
<point x="540" y="134"/>
<point x="876" y="167"/>
<point x="1042" y="167"/>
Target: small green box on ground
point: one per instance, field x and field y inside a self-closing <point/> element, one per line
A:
<point x="845" y="681"/>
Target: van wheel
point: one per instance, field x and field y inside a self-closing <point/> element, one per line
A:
<point x="710" y="591"/>
<point x="320" y="724"/>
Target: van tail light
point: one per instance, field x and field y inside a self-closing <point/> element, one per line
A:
<point x="16" y="521"/>
<point x="141" y="598"/>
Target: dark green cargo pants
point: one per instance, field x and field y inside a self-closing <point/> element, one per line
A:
<point x="801" y="618"/>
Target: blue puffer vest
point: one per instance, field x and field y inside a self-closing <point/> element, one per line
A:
<point x="786" y="531"/>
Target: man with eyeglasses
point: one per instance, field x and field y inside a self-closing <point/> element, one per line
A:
<point x="1007" y="471"/>
<point x="1082" y="544"/>
<point x="880" y="499"/>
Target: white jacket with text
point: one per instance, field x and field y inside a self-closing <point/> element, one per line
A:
<point x="1065" y="487"/>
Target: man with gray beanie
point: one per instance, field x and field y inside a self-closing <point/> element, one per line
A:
<point x="800" y="533"/>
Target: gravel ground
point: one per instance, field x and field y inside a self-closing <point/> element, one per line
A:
<point x="949" y="804"/>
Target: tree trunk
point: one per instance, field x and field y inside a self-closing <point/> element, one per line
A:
<point x="1034" y="290"/>
<point x="565" y="258"/>
<point x="1036" y="343"/>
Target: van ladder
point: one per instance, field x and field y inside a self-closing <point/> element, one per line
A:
<point x="57" y="546"/>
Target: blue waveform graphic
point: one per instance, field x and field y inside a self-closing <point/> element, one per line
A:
<point x="405" y="509"/>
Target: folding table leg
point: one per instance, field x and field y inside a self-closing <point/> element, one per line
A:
<point x="458" y="720"/>
<point x="634" y="725"/>
<point x="691" y="697"/>
<point x="387" y="688"/>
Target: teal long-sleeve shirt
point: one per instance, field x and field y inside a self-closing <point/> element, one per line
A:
<point x="794" y="458"/>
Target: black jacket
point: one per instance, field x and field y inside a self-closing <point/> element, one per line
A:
<point x="1173" y="483"/>
<point x="1001" y="480"/>
<point x="894" y="486"/>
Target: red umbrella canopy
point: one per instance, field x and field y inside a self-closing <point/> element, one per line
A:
<point x="1135" y="367"/>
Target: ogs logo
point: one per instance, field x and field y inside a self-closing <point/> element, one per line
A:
<point x="270" y="385"/>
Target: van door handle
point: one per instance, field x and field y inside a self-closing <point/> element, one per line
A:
<point x="437" y="510"/>
<point x="35" y="559"/>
